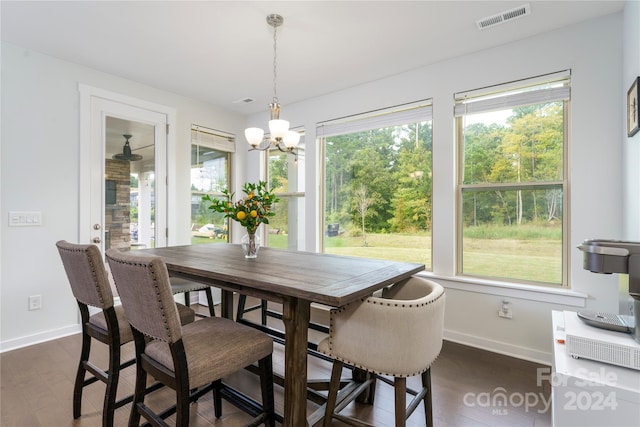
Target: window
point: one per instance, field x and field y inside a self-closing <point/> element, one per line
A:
<point x="512" y="180"/>
<point x="210" y="174"/>
<point x="377" y="184"/>
<point x="286" y="176"/>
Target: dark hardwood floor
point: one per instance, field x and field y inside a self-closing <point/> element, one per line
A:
<point x="471" y="387"/>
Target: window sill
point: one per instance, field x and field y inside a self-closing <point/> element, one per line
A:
<point x="560" y="296"/>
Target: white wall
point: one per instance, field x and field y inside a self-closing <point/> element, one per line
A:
<point x="40" y="152"/>
<point x="630" y="146"/>
<point x="40" y="161"/>
<point x="592" y="50"/>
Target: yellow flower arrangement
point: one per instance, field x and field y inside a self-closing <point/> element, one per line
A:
<point x="251" y="211"/>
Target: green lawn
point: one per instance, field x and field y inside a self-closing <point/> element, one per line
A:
<point x="533" y="259"/>
<point x="538" y="260"/>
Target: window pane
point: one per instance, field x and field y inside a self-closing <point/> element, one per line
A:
<point x="378" y="193"/>
<point x="513" y="234"/>
<point x="523" y="144"/>
<point x="209" y="175"/>
<point x="512" y="175"/>
<point x="286" y="176"/>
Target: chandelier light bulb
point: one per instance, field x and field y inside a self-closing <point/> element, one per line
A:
<point x="254" y="136"/>
<point x="291" y="139"/>
<point x="278" y="128"/>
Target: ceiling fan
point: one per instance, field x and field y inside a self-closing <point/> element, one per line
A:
<point x="126" y="154"/>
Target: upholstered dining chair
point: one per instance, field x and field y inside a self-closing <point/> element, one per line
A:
<point x="91" y="287"/>
<point x="190" y="358"/>
<point x="185" y="287"/>
<point x="397" y="335"/>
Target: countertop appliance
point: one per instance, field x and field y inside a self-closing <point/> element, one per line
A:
<point x="614" y="256"/>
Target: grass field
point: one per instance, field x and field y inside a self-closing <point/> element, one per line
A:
<point x="538" y="260"/>
<point x="533" y="256"/>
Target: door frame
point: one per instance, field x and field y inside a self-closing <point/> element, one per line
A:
<point x="91" y="137"/>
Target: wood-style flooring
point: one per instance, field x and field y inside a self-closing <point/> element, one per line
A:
<point x="471" y="387"/>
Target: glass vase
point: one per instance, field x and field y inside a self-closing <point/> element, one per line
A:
<point x="250" y="245"/>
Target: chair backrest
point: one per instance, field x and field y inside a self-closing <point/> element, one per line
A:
<point x="145" y="292"/>
<point x="399" y="334"/>
<point x="86" y="273"/>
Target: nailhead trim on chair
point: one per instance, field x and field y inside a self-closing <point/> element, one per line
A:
<point x="369" y="300"/>
<point x="157" y="292"/>
<point x="93" y="274"/>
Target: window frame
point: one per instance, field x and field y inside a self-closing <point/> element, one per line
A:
<point x="397" y="115"/>
<point x="300" y="158"/>
<point x="228" y="147"/>
<point x="530" y="185"/>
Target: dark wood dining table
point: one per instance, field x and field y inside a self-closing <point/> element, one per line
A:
<point x="293" y="278"/>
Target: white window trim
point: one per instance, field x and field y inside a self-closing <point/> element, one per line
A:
<point x="539" y="293"/>
<point x="485" y="103"/>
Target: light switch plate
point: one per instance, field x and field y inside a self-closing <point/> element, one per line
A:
<point x="25" y="219"/>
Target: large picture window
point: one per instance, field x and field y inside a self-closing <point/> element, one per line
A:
<point x="512" y="180"/>
<point x="378" y="184"/>
<point x="210" y="174"/>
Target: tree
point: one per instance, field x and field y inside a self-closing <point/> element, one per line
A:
<point x="362" y="203"/>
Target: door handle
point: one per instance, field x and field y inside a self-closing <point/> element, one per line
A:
<point x="96" y="240"/>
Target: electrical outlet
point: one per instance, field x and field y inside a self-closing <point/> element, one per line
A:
<point x="35" y="302"/>
<point x="506" y="311"/>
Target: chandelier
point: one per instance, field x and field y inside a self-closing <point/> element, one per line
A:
<point x="280" y="136"/>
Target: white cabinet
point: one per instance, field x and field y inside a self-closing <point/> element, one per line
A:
<point x="588" y="393"/>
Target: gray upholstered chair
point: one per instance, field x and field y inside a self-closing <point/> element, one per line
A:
<point x="194" y="357"/>
<point x="185" y="287"/>
<point x="398" y="335"/>
<point x="90" y="286"/>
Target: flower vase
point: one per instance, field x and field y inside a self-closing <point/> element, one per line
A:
<point x="250" y="245"/>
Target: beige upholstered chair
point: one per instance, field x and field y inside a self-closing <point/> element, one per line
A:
<point x="196" y="356"/>
<point x="398" y="335"/>
<point x="90" y="286"/>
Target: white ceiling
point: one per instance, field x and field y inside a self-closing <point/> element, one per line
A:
<point x="221" y="51"/>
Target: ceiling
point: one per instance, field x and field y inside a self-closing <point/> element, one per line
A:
<point x="220" y="52"/>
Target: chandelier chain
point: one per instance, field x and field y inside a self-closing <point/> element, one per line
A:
<point x="275" y="62"/>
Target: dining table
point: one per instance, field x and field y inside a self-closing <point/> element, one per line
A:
<point x="295" y="279"/>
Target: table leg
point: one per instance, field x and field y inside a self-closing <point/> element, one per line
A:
<point x="295" y="315"/>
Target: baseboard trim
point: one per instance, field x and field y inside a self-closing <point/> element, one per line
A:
<point x="499" y="347"/>
<point x="30" y="340"/>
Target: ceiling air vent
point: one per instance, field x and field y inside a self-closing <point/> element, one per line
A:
<point x="246" y="100"/>
<point x="502" y="17"/>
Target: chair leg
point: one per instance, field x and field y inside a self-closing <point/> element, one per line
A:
<point x="242" y="301"/>
<point x="182" y="405"/>
<point x="334" y="386"/>
<point x="80" y="374"/>
<point x="212" y="310"/>
<point x="217" y="398"/>
<point x="138" y="396"/>
<point x="428" y="402"/>
<point x="263" y="311"/>
<point x="112" y="385"/>
<point x="266" y="385"/>
<point x="187" y="299"/>
<point x="400" y="401"/>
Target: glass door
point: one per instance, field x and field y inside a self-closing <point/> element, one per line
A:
<point x="123" y="191"/>
<point x="130" y="185"/>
